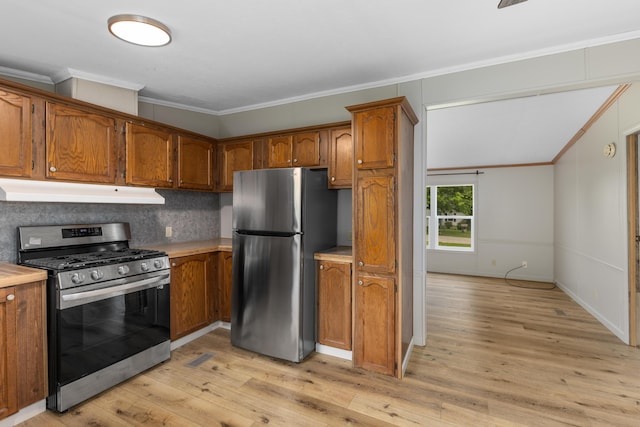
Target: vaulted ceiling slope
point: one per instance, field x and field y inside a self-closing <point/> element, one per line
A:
<point x="232" y="55"/>
<point x="510" y="132"/>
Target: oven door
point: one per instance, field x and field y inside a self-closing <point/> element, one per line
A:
<point x="98" y="327"/>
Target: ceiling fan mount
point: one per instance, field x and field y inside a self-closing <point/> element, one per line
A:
<point x="506" y="3"/>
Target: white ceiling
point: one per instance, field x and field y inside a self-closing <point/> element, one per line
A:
<point x="229" y="56"/>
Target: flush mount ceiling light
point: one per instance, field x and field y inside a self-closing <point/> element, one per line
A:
<point x="505" y="3"/>
<point x="139" y="30"/>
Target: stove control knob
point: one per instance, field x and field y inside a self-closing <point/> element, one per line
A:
<point x="78" y="278"/>
<point x="158" y="263"/>
<point x="97" y="274"/>
<point x="123" y="269"/>
<point x="144" y="266"/>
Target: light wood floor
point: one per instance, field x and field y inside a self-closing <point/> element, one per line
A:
<point x="495" y="356"/>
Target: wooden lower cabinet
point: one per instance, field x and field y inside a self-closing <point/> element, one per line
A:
<point x="192" y="293"/>
<point x="225" y="272"/>
<point x="23" y="376"/>
<point x="334" y="304"/>
<point x="8" y="355"/>
<point x="374" y="324"/>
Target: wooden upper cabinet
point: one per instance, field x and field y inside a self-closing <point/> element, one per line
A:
<point x="195" y="163"/>
<point x="149" y="156"/>
<point x="8" y="353"/>
<point x="374" y="228"/>
<point x="15" y="134"/>
<point x="375" y="148"/>
<point x="306" y="149"/>
<point x="80" y="145"/>
<point x="280" y="151"/>
<point x="234" y="156"/>
<point x="374" y="327"/>
<point x="340" y="158"/>
<point x="299" y="149"/>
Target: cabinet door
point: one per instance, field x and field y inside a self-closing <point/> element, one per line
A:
<point x="374" y="329"/>
<point x="340" y="158"/>
<point x="80" y="145"/>
<point x="190" y="298"/>
<point x="149" y="156"/>
<point x="31" y="347"/>
<point x="235" y="156"/>
<point x="375" y="138"/>
<point x="280" y="151"/>
<point x="195" y="163"/>
<point x="15" y="134"/>
<point x="334" y="304"/>
<point x="8" y="356"/>
<point x="306" y="149"/>
<point x="225" y="269"/>
<point x="375" y="237"/>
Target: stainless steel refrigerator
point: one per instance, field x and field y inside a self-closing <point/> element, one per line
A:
<point x="281" y="217"/>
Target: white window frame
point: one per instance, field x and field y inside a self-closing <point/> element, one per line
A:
<point x="433" y="220"/>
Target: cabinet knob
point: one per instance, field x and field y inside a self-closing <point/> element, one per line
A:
<point x="295" y="160"/>
<point x="170" y="180"/>
<point x="359" y="161"/>
<point x="52" y="169"/>
<point x="11" y="297"/>
<point x="173" y="264"/>
<point x="361" y="264"/>
<point x="333" y="178"/>
<point x="288" y="160"/>
<point x="321" y="267"/>
<point x="360" y="282"/>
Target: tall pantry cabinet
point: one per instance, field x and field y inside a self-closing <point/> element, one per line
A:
<point x="383" y="234"/>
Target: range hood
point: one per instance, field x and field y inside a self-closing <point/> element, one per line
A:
<point x="19" y="190"/>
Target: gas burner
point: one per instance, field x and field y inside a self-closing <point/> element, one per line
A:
<point x="90" y="259"/>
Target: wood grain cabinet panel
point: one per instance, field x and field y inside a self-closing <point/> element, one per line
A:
<point x="15" y="134"/>
<point x="195" y="163"/>
<point x="374" y="230"/>
<point x="225" y="279"/>
<point x="8" y="354"/>
<point x="375" y="130"/>
<point x="374" y="329"/>
<point x="80" y="145"/>
<point x="23" y="354"/>
<point x="234" y="156"/>
<point x="191" y="294"/>
<point x="334" y="304"/>
<point x="340" y="158"/>
<point x="149" y="156"/>
<point x="280" y="151"/>
<point x="306" y="149"/>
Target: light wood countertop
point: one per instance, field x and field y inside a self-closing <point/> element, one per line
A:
<point x="193" y="248"/>
<point x="13" y="274"/>
<point x="337" y="254"/>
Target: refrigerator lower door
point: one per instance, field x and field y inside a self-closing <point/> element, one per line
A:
<point x="266" y="307"/>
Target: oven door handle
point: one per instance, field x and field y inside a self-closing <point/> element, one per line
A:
<point x="78" y="298"/>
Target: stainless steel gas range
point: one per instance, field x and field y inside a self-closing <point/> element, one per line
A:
<point x="107" y="306"/>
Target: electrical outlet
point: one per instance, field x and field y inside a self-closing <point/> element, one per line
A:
<point x="168" y="232"/>
<point x="524" y="264"/>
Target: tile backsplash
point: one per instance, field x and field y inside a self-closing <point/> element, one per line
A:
<point x="191" y="215"/>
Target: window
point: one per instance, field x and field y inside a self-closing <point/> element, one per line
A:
<point x="450" y="212"/>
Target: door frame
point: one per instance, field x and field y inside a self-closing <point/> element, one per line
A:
<point x="633" y="231"/>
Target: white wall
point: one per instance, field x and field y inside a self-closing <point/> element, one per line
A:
<point x="513" y="220"/>
<point x="591" y="217"/>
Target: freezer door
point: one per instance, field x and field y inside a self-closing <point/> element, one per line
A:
<point x="266" y="312"/>
<point x="268" y="200"/>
